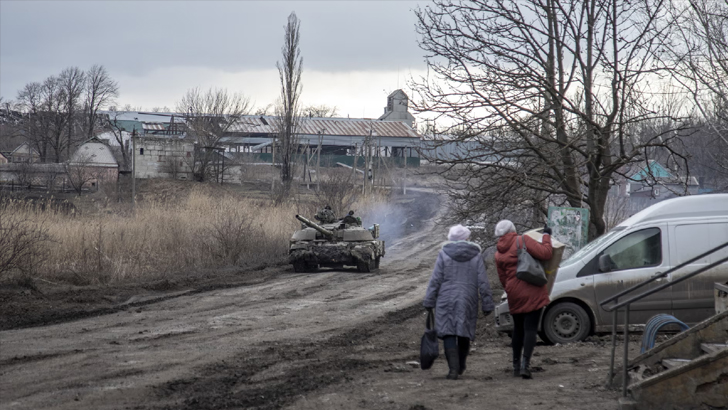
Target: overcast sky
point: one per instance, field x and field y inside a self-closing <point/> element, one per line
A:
<point x="354" y="52"/>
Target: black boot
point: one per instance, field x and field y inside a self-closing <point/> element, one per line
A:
<point x="453" y="362"/>
<point x="526" y="368"/>
<point x="517" y="367"/>
<point x="463" y="351"/>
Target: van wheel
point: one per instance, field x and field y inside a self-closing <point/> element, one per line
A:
<point x="566" y="323"/>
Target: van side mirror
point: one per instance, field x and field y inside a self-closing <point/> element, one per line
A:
<point x="606" y="264"/>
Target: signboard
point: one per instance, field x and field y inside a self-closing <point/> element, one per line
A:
<point x="570" y="226"/>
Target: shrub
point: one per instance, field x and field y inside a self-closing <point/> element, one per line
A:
<point x="23" y="239"/>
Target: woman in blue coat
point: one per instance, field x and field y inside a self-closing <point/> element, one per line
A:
<point x="459" y="277"/>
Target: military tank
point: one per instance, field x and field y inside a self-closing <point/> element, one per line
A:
<point x="343" y="243"/>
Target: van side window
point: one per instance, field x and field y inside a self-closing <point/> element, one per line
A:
<point x="637" y="250"/>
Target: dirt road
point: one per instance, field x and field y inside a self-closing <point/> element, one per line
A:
<point x="322" y="340"/>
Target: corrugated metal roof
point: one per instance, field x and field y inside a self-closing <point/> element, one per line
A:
<point x="153" y="126"/>
<point x="355" y="127"/>
<point x="251" y="124"/>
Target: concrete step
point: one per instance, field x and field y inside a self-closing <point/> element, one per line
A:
<point x="699" y="383"/>
<point x="684" y="345"/>
<point x="671" y="363"/>
<point x="712" y="347"/>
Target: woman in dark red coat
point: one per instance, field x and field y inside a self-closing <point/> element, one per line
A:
<point x="525" y="301"/>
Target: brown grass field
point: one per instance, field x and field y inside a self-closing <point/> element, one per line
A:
<point x="177" y="227"/>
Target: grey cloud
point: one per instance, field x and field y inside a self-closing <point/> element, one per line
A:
<point x="133" y="37"/>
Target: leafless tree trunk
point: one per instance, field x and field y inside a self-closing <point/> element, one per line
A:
<point x="111" y="123"/>
<point x="30" y="100"/>
<point x="550" y="93"/>
<point x="209" y="116"/>
<point x="72" y="81"/>
<point x="46" y="105"/>
<point x="289" y="71"/>
<point x="100" y="91"/>
<point x="53" y="109"/>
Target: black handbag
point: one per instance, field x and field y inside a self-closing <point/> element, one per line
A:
<point x="529" y="269"/>
<point x="429" y="347"/>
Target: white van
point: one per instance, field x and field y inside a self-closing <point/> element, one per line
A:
<point x="648" y="243"/>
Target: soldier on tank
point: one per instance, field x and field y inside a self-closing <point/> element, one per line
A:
<point x="326" y="215"/>
<point x="351" y="219"/>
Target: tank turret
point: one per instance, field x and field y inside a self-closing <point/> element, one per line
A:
<point x="315" y="226"/>
<point x="338" y="244"/>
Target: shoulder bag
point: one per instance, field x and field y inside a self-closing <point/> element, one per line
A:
<point x="529" y="269"/>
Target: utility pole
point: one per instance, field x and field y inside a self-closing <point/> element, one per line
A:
<point x="356" y="158"/>
<point x="306" y="152"/>
<point x="404" y="179"/>
<point x="273" y="164"/>
<point x="318" y="160"/>
<point x="366" y="151"/>
<point x="133" y="169"/>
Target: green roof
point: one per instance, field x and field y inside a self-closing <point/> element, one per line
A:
<point x="654" y="169"/>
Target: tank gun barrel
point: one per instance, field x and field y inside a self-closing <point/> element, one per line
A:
<point x="315" y="226"/>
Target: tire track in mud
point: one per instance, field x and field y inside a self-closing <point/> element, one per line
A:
<point x="239" y="345"/>
<point x="241" y="382"/>
<point x="273" y="375"/>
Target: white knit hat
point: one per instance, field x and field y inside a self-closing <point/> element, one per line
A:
<point x="503" y="227"/>
<point x="458" y="233"/>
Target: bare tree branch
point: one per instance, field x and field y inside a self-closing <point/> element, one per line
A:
<point x="553" y="97"/>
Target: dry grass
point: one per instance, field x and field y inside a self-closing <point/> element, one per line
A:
<point x="203" y="230"/>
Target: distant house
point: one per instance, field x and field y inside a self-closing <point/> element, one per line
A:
<point x="653" y="180"/>
<point x="3" y="160"/>
<point x="24" y="153"/>
<point x="648" y="183"/>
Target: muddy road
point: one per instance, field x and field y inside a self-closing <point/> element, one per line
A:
<point x="331" y="339"/>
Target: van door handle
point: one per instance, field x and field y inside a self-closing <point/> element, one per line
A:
<point x="658" y="274"/>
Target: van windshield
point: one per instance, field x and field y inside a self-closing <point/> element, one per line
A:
<point x="591" y="245"/>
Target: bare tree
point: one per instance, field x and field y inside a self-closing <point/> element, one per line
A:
<point x="72" y="80"/>
<point x="209" y="116"/>
<point x="289" y="71"/>
<point x="699" y="52"/>
<point x="339" y="190"/>
<point x="112" y="124"/>
<point x="267" y="110"/>
<point x="47" y="117"/>
<point x="320" y="111"/>
<point x="100" y="91"/>
<point x="551" y="93"/>
<point x="81" y="172"/>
